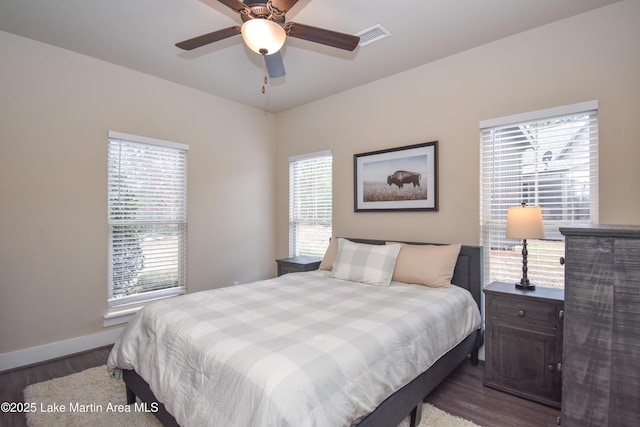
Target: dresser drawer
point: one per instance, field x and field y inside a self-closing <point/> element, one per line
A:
<point x="526" y="311"/>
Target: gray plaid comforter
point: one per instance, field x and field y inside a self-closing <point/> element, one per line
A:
<point x="299" y="350"/>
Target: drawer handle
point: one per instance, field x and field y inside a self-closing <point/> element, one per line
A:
<point x="521" y="313"/>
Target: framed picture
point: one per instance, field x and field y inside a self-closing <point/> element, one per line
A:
<point x="401" y="179"/>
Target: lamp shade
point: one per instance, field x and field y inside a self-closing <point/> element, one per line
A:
<point x="263" y="36"/>
<point x="524" y="222"/>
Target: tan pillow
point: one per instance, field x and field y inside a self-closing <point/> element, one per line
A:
<point x="329" y="255"/>
<point x="429" y="265"/>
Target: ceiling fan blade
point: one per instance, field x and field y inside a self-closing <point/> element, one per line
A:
<point x="208" y="38"/>
<point x="236" y="5"/>
<point x="322" y="36"/>
<point x="275" y="66"/>
<point x="283" y="5"/>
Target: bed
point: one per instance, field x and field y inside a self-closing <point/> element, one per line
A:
<point x="319" y="379"/>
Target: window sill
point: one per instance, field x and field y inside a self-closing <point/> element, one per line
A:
<point x="120" y="315"/>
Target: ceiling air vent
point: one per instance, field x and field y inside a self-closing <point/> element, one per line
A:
<point x="373" y="34"/>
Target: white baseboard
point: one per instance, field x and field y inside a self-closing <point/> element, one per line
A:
<point x="29" y="356"/>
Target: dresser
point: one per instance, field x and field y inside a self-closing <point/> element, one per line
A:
<point x="601" y="369"/>
<point x="523" y="341"/>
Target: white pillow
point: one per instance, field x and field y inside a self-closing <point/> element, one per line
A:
<point x="359" y="262"/>
<point x="429" y="265"/>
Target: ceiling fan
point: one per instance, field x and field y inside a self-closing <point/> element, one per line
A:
<point x="265" y="29"/>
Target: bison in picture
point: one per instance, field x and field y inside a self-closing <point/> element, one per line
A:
<point x="400" y="178"/>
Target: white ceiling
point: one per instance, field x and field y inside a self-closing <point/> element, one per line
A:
<point x="140" y="34"/>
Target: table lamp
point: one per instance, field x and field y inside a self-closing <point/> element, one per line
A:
<point x="524" y="222"/>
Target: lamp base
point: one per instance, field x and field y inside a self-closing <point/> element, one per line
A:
<point x="525" y="286"/>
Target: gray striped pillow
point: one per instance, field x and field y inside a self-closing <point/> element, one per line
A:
<point x="359" y="262"/>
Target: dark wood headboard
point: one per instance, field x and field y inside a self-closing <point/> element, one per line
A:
<point x="468" y="271"/>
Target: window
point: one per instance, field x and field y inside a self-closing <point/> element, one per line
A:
<point x="310" y="204"/>
<point x="147" y="216"/>
<point x="547" y="158"/>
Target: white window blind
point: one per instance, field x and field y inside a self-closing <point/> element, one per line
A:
<point x="547" y="158"/>
<point x="310" y="204"/>
<point x="147" y="216"/>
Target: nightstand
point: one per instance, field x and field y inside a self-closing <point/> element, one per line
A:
<point x="523" y="353"/>
<point x="297" y="264"/>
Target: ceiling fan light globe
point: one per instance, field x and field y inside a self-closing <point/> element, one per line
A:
<point x="263" y="35"/>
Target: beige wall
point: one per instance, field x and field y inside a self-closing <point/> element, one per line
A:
<point x="595" y="56"/>
<point x="56" y="108"/>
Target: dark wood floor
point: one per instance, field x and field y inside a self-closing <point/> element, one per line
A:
<point x="461" y="394"/>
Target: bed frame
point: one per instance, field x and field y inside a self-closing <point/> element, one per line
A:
<point x="409" y="399"/>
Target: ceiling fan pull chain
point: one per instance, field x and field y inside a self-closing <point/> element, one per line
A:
<point x="264" y="62"/>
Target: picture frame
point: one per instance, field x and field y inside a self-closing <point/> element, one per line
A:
<point x="397" y="179"/>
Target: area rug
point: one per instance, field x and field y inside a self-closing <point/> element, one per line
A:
<point x="92" y="398"/>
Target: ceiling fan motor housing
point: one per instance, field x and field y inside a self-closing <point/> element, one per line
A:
<point x="259" y="9"/>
